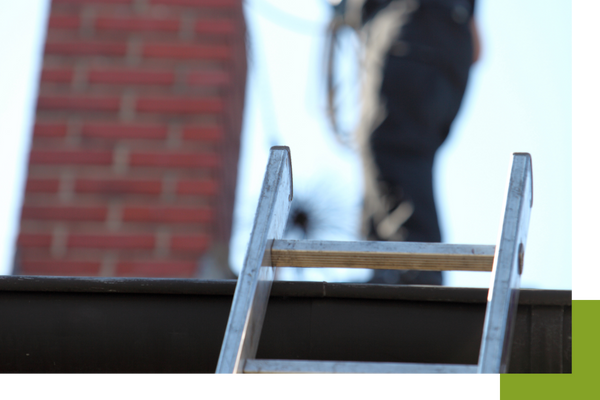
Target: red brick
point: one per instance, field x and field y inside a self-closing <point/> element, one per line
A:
<point x="34" y="240"/>
<point x="78" y="157"/>
<point x="92" y="1"/>
<point x="124" y="131"/>
<point x="121" y="186"/>
<point x="186" y="51"/>
<point x="156" y="268"/>
<point x="63" y="22"/>
<point x="179" y="105"/>
<point x="209" y="78"/>
<point x="79" y="103"/>
<point x="116" y="241"/>
<point x="197" y="187"/>
<point x="203" y="133"/>
<point x="42" y="185"/>
<point x="62" y="75"/>
<point x="173" y="160"/>
<point x="98" y="125"/>
<point x="65" y="213"/>
<point x="131" y="77"/>
<point x="137" y="24"/>
<point x="198" y="3"/>
<point x="166" y="214"/>
<point x="194" y="243"/>
<point x="88" y="48"/>
<point x="50" y="130"/>
<point x="60" y="267"/>
<point x="223" y="26"/>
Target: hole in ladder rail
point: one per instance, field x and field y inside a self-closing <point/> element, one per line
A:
<point x="521" y="258"/>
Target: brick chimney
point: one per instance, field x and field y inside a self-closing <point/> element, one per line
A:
<point x="134" y="155"/>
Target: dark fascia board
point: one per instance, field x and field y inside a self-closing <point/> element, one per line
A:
<point x="172" y="286"/>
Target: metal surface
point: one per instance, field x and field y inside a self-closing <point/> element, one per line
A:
<point x="266" y="251"/>
<point x="254" y="283"/>
<point x="504" y="289"/>
<point x="381" y="255"/>
<point x="349" y="367"/>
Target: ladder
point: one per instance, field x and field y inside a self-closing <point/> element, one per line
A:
<point x="266" y="251"/>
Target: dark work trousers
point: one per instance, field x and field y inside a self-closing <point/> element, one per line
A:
<point x="424" y="79"/>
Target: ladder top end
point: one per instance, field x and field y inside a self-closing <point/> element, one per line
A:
<point x="287" y="148"/>
<point x="528" y="157"/>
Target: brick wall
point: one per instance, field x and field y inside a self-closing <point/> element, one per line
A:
<point x="134" y="154"/>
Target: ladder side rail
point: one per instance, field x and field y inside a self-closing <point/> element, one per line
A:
<point x="503" y="296"/>
<point x="253" y="287"/>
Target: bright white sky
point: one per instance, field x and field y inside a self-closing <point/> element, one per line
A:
<point x="22" y="31"/>
<point x="519" y="100"/>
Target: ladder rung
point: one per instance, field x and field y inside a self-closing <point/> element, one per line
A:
<point x="380" y="255"/>
<point x="321" y="367"/>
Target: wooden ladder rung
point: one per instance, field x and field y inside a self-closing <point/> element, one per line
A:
<point x="354" y="367"/>
<point x="379" y="255"/>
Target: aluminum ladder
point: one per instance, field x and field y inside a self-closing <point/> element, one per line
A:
<point x="267" y="250"/>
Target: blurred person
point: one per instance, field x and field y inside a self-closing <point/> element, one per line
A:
<point x="416" y="57"/>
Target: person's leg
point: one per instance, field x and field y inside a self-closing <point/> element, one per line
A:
<point x="408" y="180"/>
<point x="420" y="107"/>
